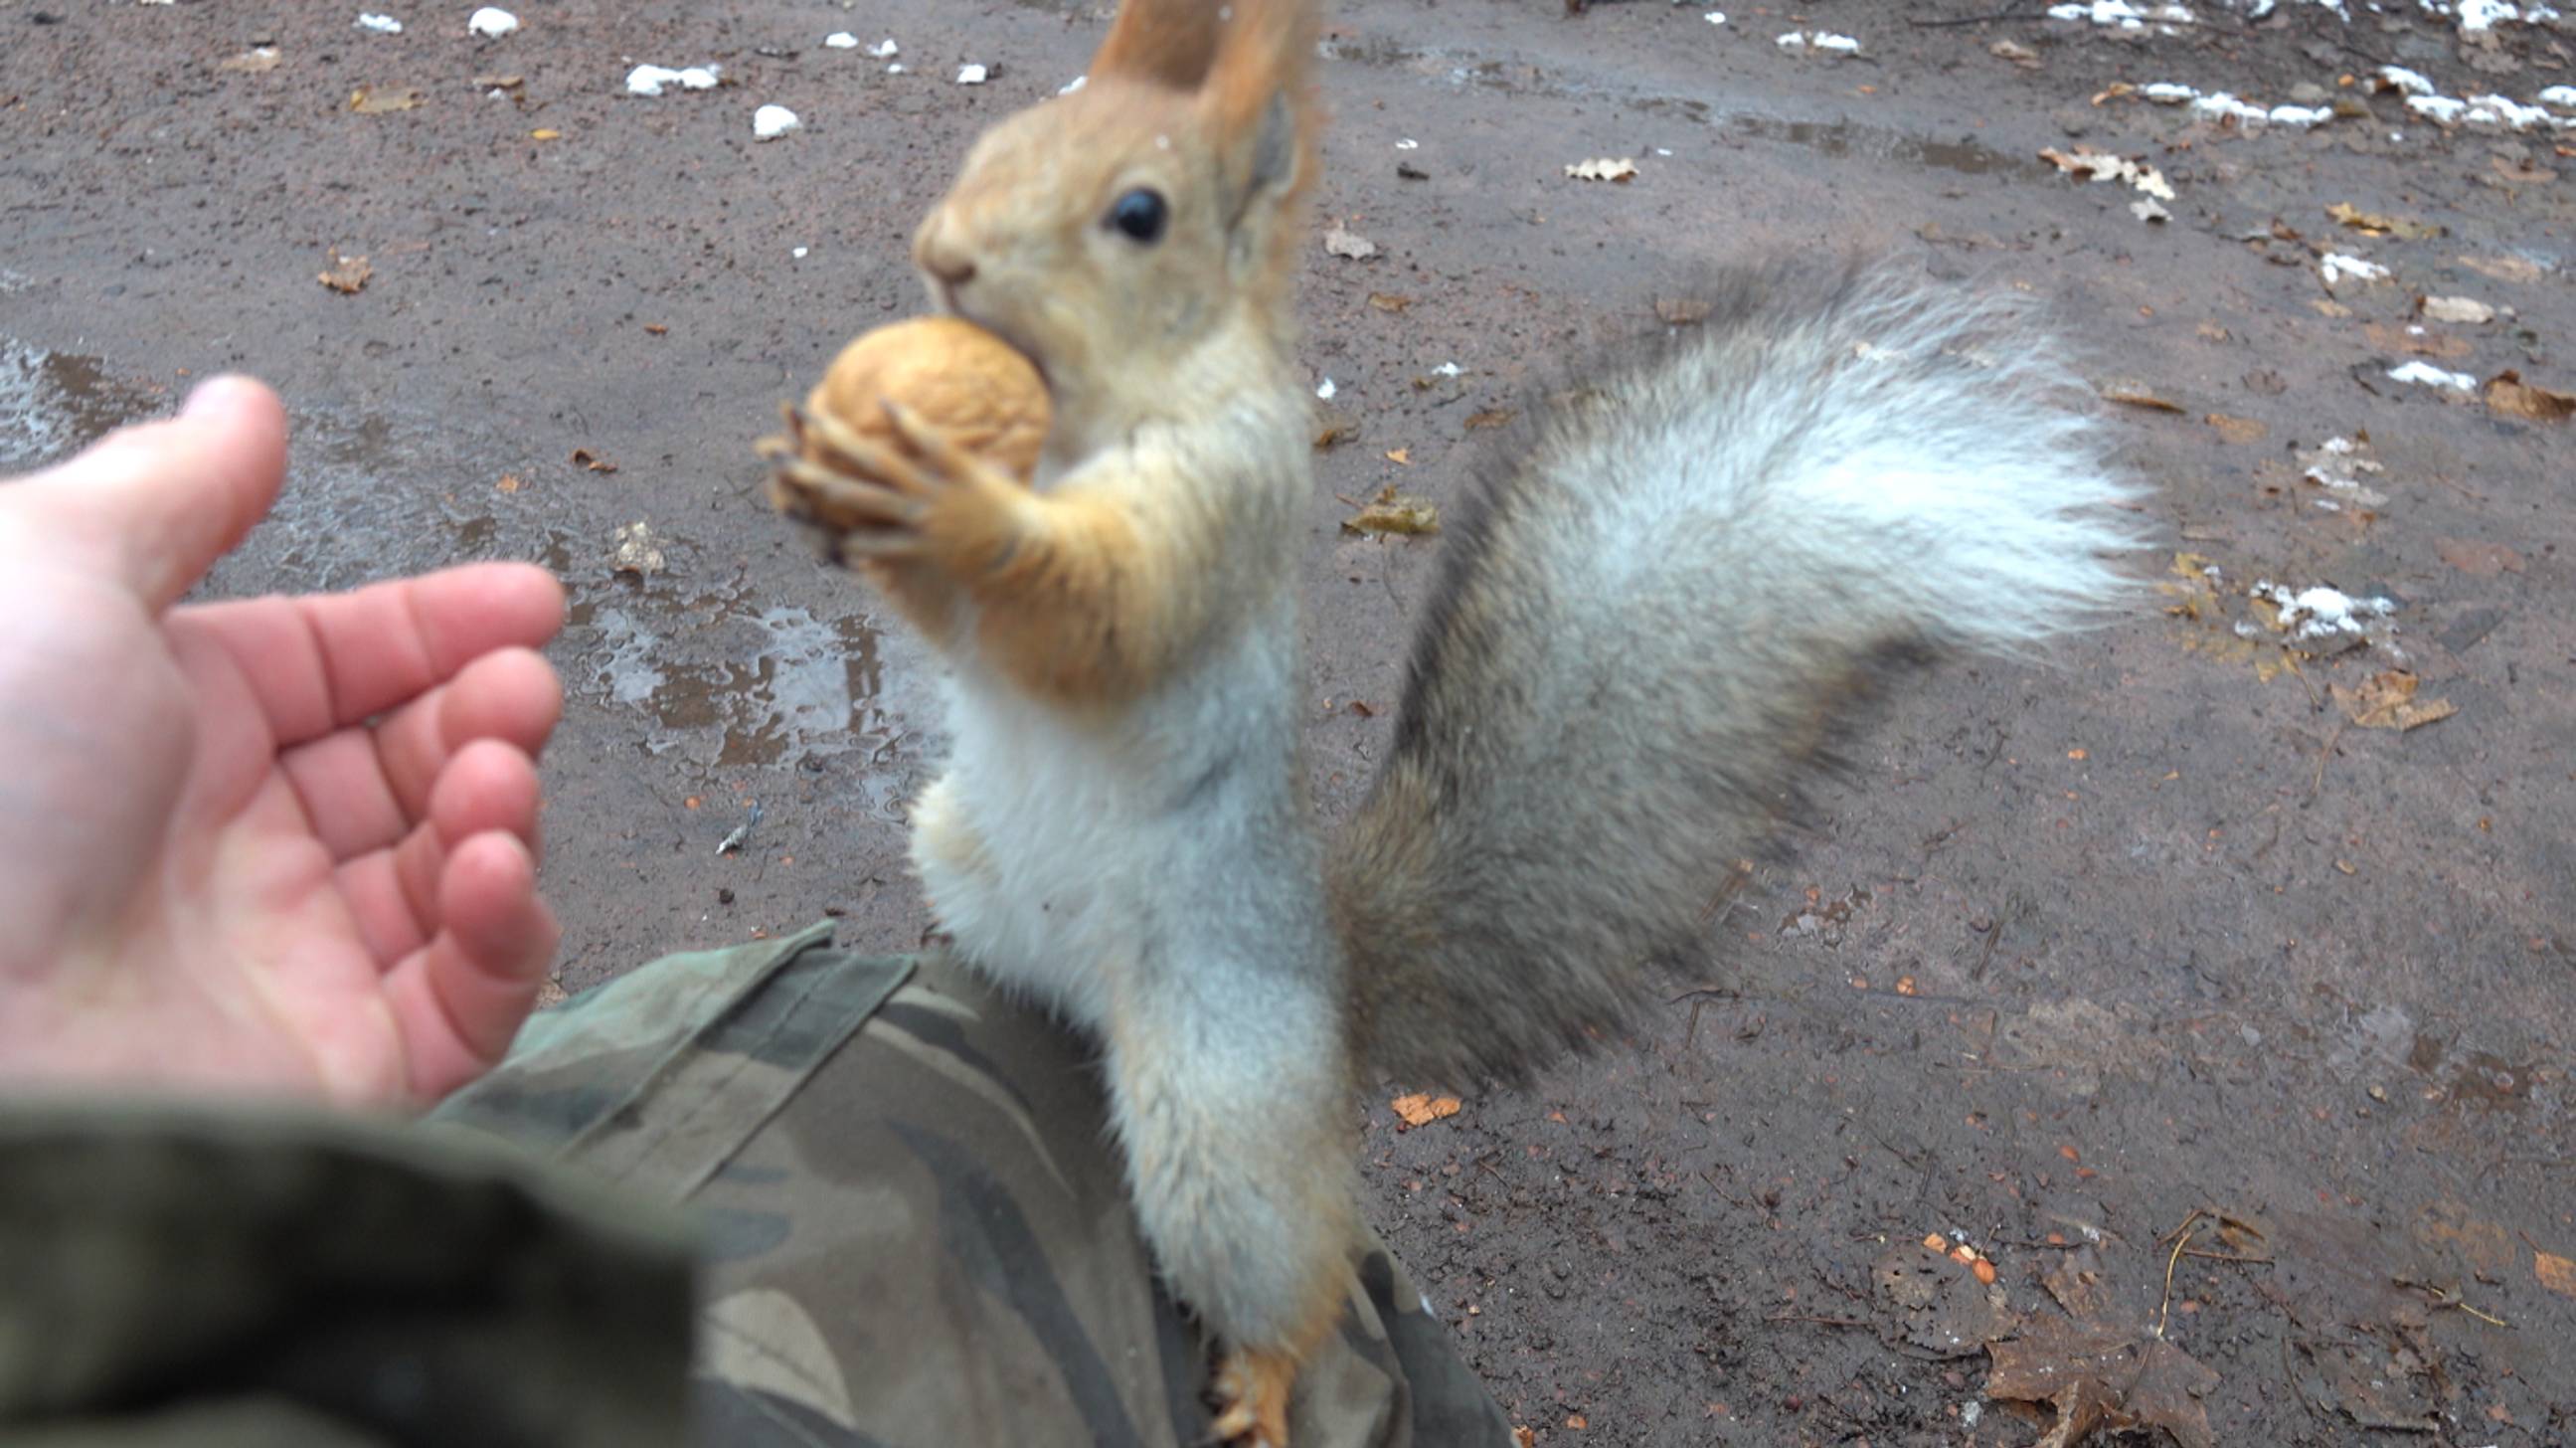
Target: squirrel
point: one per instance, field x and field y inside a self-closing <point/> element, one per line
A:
<point x="1661" y="592"/>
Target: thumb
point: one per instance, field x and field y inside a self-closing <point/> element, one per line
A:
<point x="158" y="503"/>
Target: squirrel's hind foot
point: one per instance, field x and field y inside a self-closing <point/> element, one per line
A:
<point x="1252" y="1391"/>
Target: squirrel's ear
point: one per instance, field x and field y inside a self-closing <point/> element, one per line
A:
<point x="1163" y="42"/>
<point x="1260" y="105"/>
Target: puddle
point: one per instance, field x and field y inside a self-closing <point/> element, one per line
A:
<point x="782" y="685"/>
<point x="1829" y="138"/>
<point x="55" y="403"/>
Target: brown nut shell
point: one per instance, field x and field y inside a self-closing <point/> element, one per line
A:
<point x="955" y="376"/>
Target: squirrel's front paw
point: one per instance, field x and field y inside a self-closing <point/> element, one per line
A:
<point x="928" y="500"/>
<point x="1252" y="1398"/>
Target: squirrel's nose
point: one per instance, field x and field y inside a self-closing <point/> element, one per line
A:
<point x="937" y="254"/>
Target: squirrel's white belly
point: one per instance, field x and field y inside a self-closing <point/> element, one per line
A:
<point x="1063" y="860"/>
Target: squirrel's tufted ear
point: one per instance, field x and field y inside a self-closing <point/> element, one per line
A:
<point x="1259" y="96"/>
<point x="1161" y="42"/>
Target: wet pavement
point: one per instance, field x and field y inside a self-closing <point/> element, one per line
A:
<point x="2184" y="997"/>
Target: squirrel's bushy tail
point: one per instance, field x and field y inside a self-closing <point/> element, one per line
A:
<point x="1652" y="605"/>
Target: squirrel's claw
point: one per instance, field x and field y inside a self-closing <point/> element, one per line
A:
<point x="1252" y="1391"/>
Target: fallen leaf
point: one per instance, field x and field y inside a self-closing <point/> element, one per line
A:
<point x="369" y="101"/>
<point x="1342" y="241"/>
<point x="2095" y="165"/>
<point x="2238" y="430"/>
<point x="2509" y="394"/>
<point x="2136" y="394"/>
<point x="2404" y="228"/>
<point x="1577" y="1421"/>
<point x="2019" y="54"/>
<point x="1422" y="1110"/>
<point x="583" y="457"/>
<point x="1681" y="311"/>
<point x="1490" y="417"/>
<point x="2556" y="1273"/>
<point x="2503" y="268"/>
<point x="2387" y="701"/>
<point x="1389" y="301"/>
<point x="1401" y="457"/>
<point x="656" y="329"/>
<point x="510" y="483"/>
<point x="1392" y="512"/>
<point x="2416" y="341"/>
<point x="250" y="62"/>
<point x="2484" y="560"/>
<point x="638" y="550"/>
<point x="498" y="82"/>
<point x="346" y="274"/>
<point x="1524" y="1438"/>
<point x="2455" y="309"/>
<point x="2102" y="1378"/>
<point x="1332" y="425"/>
<point x="545" y="133"/>
<point x="1604" y="169"/>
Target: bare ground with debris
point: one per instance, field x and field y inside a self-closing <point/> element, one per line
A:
<point x="2227" y="1022"/>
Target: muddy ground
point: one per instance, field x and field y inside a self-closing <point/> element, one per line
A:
<point x="2074" y="958"/>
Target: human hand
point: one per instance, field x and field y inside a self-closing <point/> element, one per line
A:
<point x="283" y="844"/>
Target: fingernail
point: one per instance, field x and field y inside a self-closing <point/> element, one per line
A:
<point x="202" y="397"/>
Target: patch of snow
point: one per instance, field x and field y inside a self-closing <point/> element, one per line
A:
<point x="2432" y="376"/>
<point x="972" y="75"/>
<point x="1327" y="390"/>
<point x="841" y="40"/>
<point x="2334" y="266"/>
<point x="771" y="122"/>
<point x="648" y="80"/>
<point x="381" y="24"/>
<point x="491" y="22"/>
<point x="884" y="49"/>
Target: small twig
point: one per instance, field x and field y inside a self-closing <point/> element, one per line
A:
<point x="2450" y="1297"/>
<point x="2165" y="1308"/>
<point x="2317" y="785"/>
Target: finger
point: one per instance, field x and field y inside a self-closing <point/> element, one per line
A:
<point x="931" y="442"/>
<point x="459" y="1000"/>
<point x="160" y="502"/>
<point x="394" y="892"/>
<point x="878" y="464"/>
<point x="364" y="789"/>
<point x="845" y="498"/>
<point x="322" y="662"/>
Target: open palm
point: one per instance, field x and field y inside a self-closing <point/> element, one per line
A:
<point x="282" y="844"/>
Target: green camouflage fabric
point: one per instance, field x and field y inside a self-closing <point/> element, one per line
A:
<point x="916" y="1227"/>
<point x="909" y="1223"/>
<point x="177" y="1275"/>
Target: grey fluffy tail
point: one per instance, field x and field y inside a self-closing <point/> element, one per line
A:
<point x="1654" y="604"/>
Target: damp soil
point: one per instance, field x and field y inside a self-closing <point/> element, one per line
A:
<point x="2233" y="1036"/>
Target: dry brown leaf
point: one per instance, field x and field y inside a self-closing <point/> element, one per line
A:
<point x="2414" y="340"/>
<point x="1389" y="301"/>
<point x="1333" y="426"/>
<point x="1577" y="1422"/>
<point x="1490" y="417"/>
<point x="2137" y="394"/>
<point x="545" y="133"/>
<point x="2387" y="700"/>
<point x="1342" y="241"/>
<point x="2019" y="54"/>
<point x="657" y="329"/>
<point x="583" y="457"/>
<point x="1402" y="456"/>
<point x="367" y="100"/>
<point x="1422" y="1110"/>
<point x="346" y="274"/>
<point x="2371" y="223"/>
<point x="2101" y="1378"/>
<point x="2455" y="309"/>
<point x="1393" y="512"/>
<point x="2239" y="430"/>
<point x="2556" y="1273"/>
<point x="2482" y="559"/>
<point x="499" y="82"/>
<point x="1524" y="1438"/>
<point x="510" y="483"/>
<point x="2507" y="393"/>
<point x="250" y="62"/>
<point x="1604" y="169"/>
<point x="2503" y="268"/>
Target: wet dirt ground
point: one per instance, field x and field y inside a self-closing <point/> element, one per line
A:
<point x="2233" y="1032"/>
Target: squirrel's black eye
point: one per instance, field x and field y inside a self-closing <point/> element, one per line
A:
<point x="1141" y="214"/>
